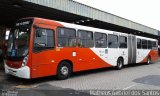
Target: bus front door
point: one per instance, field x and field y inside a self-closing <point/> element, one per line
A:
<point x="43" y="56"/>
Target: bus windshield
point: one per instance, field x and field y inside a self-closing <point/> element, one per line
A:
<point x="18" y="43"/>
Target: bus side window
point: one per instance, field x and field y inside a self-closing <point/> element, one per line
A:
<point x="149" y="44"/>
<point x="66" y="37"/>
<point x="85" y="39"/>
<point x="122" y="42"/>
<point x="154" y="45"/>
<point x="112" y="41"/>
<point x="139" y="43"/>
<point x="44" y="39"/>
<point x="100" y="40"/>
<point x="144" y="44"/>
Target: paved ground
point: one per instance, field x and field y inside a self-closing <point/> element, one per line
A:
<point x="135" y="77"/>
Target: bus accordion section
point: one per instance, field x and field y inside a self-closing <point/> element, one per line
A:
<point x="39" y="47"/>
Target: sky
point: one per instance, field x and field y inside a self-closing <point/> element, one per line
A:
<point x="146" y="12"/>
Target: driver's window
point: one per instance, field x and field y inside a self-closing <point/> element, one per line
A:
<point x="44" y="39"/>
<point x="40" y="38"/>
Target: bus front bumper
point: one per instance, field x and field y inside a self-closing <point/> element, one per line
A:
<point x="23" y="72"/>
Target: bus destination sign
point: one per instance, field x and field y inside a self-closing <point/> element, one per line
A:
<point x="24" y="23"/>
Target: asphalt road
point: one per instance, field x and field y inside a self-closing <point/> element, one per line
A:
<point x="133" y="77"/>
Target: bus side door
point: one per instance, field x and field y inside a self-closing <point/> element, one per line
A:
<point x="43" y="51"/>
<point x="113" y="51"/>
<point x="123" y="49"/>
<point x="85" y="55"/>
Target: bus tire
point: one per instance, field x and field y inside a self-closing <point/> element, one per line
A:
<point x="64" y="70"/>
<point x="149" y="60"/>
<point x="119" y="64"/>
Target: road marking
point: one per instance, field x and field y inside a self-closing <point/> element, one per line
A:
<point x="129" y="87"/>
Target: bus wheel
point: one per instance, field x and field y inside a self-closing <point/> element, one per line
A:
<point x="64" y="70"/>
<point x="149" y="60"/>
<point x="119" y="64"/>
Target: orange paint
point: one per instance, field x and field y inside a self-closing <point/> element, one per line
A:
<point x="153" y="54"/>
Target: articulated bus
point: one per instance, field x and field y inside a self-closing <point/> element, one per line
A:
<point x="39" y="47"/>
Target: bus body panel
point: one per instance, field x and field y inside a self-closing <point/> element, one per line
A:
<point x="88" y="59"/>
<point x="20" y="72"/>
<point x="154" y="55"/>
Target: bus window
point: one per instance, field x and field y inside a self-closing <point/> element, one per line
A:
<point x="149" y="44"/>
<point x="139" y="43"/>
<point x="112" y="41"/>
<point x="144" y="44"/>
<point x="85" y="38"/>
<point x="44" y="39"/>
<point x="154" y="45"/>
<point x="66" y="37"/>
<point x="100" y="40"/>
<point x="122" y="42"/>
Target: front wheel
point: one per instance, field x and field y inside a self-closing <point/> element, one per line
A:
<point x="64" y="70"/>
<point x="119" y="64"/>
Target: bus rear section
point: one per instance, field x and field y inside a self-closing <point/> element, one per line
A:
<point x="40" y="47"/>
<point x="147" y="50"/>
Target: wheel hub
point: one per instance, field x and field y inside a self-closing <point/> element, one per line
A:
<point x="64" y="70"/>
<point x="120" y="64"/>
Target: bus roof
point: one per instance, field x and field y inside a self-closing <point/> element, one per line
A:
<point x="75" y="26"/>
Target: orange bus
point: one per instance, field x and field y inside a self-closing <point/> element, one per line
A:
<point x="39" y="47"/>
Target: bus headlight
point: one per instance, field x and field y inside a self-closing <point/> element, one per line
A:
<point x="25" y="60"/>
